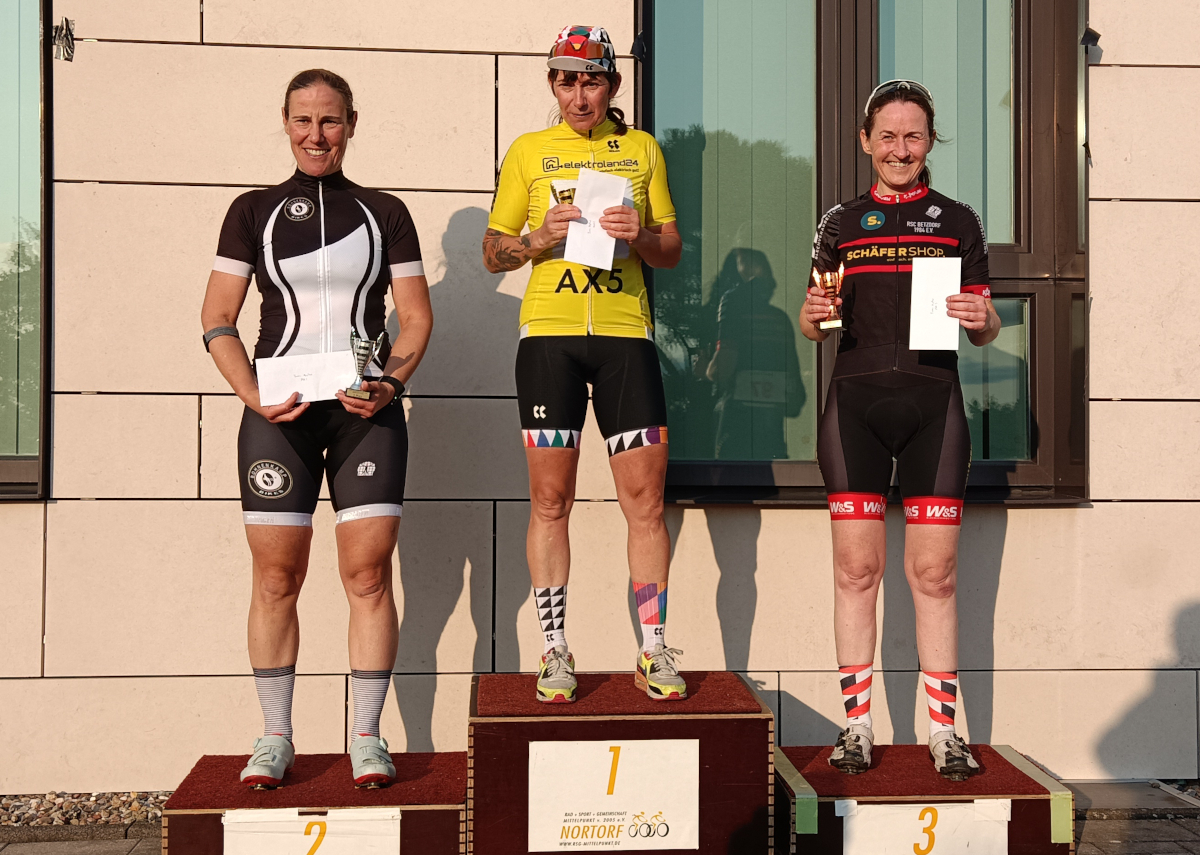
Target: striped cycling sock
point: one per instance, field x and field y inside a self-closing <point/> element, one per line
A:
<point x="856" y="693"/>
<point x="941" y="689"/>
<point x="274" y="687"/>
<point x="552" y="614"/>
<point x="651" y="600"/>
<point x="370" y="690"/>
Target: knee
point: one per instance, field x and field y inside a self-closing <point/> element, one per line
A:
<point x="278" y="583"/>
<point x="856" y="576"/>
<point x="368" y="583"/>
<point x="937" y="579"/>
<point x="551" y="504"/>
<point x="644" y="507"/>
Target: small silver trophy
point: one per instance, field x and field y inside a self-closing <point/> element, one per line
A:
<point x="364" y="350"/>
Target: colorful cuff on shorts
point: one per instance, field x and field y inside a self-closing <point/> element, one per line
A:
<point x="856" y="506"/>
<point x="933" y="510"/>
<point x="635" y="439"/>
<point x="550" y="438"/>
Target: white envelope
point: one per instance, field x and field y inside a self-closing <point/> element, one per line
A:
<point x="316" y="376"/>
<point x="933" y="280"/>
<point x="587" y="241"/>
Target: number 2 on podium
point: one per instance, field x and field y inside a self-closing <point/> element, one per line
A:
<point x="931" y="813"/>
<point x="320" y="826"/>
<point x="615" y="750"/>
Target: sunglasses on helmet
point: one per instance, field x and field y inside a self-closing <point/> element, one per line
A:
<point x="894" y="85"/>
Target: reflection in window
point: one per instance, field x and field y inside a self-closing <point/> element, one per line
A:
<point x="995" y="384"/>
<point x="20" y="229"/>
<point x="735" y="113"/>
<point x="962" y="50"/>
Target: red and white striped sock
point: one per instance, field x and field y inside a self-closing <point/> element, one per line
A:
<point x="856" y="693"/>
<point x="941" y="690"/>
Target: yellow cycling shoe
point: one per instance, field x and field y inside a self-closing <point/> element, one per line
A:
<point x="658" y="676"/>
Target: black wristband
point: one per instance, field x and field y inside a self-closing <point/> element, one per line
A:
<point x="217" y="332"/>
<point x="395" y="384"/>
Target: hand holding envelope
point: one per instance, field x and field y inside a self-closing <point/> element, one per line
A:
<point x="933" y="281"/>
<point x="587" y="241"/>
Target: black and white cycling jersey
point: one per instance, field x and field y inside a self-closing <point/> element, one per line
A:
<point x="322" y="252"/>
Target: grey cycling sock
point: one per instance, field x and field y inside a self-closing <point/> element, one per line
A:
<point x="370" y="691"/>
<point x="274" y="687"/>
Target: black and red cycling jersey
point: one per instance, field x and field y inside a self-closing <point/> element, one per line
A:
<point x="876" y="238"/>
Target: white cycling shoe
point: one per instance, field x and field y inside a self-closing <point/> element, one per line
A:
<point x="852" y="751"/>
<point x="372" y="765"/>
<point x="951" y="757"/>
<point x="273" y="756"/>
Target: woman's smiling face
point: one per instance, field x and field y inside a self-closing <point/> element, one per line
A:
<point x="899" y="143"/>
<point x="318" y="128"/>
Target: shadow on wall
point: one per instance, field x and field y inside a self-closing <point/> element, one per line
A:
<point x="1128" y="750"/>
<point x="474" y="326"/>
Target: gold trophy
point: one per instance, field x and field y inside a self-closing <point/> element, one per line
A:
<point x="364" y="350"/>
<point x="831" y="284"/>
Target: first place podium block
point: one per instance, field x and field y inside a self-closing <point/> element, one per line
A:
<point x="616" y="771"/>
<point x="1020" y="809"/>
<point x="430" y="792"/>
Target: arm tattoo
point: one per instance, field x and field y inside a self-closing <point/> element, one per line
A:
<point x="503" y="252"/>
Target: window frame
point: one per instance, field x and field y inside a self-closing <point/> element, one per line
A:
<point x="1045" y="262"/>
<point x="26" y="478"/>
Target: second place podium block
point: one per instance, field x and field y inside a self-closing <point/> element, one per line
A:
<point x="617" y="771"/>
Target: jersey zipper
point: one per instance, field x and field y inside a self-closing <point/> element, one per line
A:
<point x="592" y="157"/>
<point x="896" y="286"/>
<point x="323" y="278"/>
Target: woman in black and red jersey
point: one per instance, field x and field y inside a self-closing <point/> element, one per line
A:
<point x="887" y="402"/>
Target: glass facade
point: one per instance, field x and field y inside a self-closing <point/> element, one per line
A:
<point x="735" y="113"/>
<point x="963" y="51"/>
<point x="995" y="384"/>
<point x="20" y="230"/>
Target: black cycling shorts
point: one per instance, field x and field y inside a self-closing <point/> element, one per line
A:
<point x="280" y="464"/>
<point x="553" y="373"/>
<point x="871" y="419"/>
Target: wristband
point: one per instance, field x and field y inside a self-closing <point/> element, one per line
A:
<point x="395" y="384"/>
<point x="217" y="332"/>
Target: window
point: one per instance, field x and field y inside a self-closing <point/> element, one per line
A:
<point x="21" y="340"/>
<point x="756" y="105"/>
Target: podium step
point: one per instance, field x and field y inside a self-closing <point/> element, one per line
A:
<point x="1042" y="810"/>
<point x="722" y="719"/>
<point x="430" y="789"/>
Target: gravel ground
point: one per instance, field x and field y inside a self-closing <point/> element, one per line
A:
<point x="1188" y="788"/>
<point x="82" y="808"/>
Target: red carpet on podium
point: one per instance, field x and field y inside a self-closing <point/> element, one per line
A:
<point x="709" y="693"/>
<point x="908" y="769"/>
<point x="323" y="780"/>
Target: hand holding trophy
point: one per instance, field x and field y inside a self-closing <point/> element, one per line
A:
<point x="831" y="283"/>
<point x="364" y="350"/>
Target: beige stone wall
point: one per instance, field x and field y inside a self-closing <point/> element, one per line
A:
<point x="123" y="620"/>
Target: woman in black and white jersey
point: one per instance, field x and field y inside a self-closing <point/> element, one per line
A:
<point x="323" y="252"/>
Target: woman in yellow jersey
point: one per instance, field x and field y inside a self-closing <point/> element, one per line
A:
<point x="582" y="325"/>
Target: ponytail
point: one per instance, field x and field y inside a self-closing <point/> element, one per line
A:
<point x="617" y="116"/>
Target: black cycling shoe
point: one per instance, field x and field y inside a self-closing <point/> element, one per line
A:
<point x="852" y="751"/>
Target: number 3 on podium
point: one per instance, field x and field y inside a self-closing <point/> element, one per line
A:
<point x="320" y="827"/>
<point x="929" y="813"/>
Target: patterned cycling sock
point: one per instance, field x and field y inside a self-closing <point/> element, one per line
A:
<point x="370" y="691"/>
<point x="274" y="687"/>
<point x="651" y="600"/>
<point x="941" y="689"/>
<point x="551" y="606"/>
<point x="856" y="693"/>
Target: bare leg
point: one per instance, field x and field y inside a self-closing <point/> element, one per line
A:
<point x="280" y="555"/>
<point x="859" y="557"/>
<point x="640" y="475"/>
<point x="365" y="562"/>
<point x="551" y="494"/>
<point x="931" y="565"/>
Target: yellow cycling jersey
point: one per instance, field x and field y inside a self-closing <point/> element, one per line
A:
<point x="540" y="171"/>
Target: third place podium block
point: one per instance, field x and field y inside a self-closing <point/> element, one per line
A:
<point x="901" y="805"/>
<point x="616" y="771"/>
